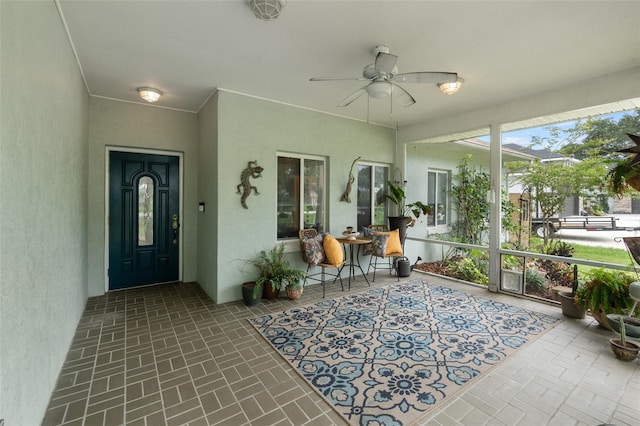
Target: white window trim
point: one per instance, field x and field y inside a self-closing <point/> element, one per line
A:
<point x="291" y="244"/>
<point x="373" y="201"/>
<point x="443" y="227"/>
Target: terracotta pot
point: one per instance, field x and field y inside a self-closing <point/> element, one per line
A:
<point x="628" y="352"/>
<point x="294" y="293"/>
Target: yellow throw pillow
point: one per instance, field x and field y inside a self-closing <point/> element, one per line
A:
<point x="393" y="244"/>
<point x="333" y="250"/>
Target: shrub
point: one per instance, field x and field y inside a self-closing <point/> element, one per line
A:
<point x="534" y="281"/>
<point x="465" y="269"/>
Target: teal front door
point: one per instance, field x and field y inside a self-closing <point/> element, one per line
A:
<point x="144" y="222"/>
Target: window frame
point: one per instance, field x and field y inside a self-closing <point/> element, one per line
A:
<point x="301" y="191"/>
<point x="432" y="221"/>
<point x="372" y="196"/>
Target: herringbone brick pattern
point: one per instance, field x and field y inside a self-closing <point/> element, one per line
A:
<point x="168" y="355"/>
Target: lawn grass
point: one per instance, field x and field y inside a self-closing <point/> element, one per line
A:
<point x="594" y="253"/>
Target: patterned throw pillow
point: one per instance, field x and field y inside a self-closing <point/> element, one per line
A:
<point x="378" y="245"/>
<point x="313" y="250"/>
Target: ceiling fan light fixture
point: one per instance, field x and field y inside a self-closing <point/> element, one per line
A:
<point x="379" y="89"/>
<point x="451" y="88"/>
<point x="267" y="10"/>
<point x="149" y="94"/>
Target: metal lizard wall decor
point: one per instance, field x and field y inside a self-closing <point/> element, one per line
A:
<point x="252" y="171"/>
<point x="346" y="195"/>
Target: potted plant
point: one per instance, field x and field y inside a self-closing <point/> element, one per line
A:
<point x="251" y="293"/>
<point x="624" y="174"/>
<point x="275" y="273"/>
<point x="570" y="301"/>
<point x="408" y="212"/>
<point x="294" y="290"/>
<point x="623" y="350"/>
<point x="607" y="292"/>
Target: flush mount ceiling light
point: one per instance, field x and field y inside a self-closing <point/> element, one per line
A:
<point x="266" y="10"/>
<point x="149" y="94"/>
<point x="451" y="88"/>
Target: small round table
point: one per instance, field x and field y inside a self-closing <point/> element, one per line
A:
<point x="354" y="261"/>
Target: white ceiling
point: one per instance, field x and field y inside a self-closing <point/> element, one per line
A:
<point x="503" y="50"/>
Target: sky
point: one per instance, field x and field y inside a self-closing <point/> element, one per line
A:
<point x="523" y="137"/>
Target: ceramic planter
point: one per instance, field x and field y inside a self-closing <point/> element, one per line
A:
<point x="247" y="294"/>
<point x="628" y="352"/>
<point x="569" y="307"/>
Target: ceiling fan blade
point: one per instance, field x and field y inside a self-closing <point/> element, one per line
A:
<point x="337" y="78"/>
<point x="426" y="77"/>
<point x="385" y="62"/>
<point x="400" y="95"/>
<point x="353" y="96"/>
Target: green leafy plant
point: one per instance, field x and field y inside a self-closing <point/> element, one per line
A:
<point x="275" y="270"/>
<point x="606" y="292"/>
<point x="559" y="248"/>
<point x="619" y="177"/>
<point x="413" y="210"/>
<point x="534" y="281"/>
<point x="465" y="269"/>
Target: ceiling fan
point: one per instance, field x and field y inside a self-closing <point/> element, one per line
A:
<point x="383" y="78"/>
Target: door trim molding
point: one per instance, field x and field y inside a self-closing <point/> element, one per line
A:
<point x="108" y="150"/>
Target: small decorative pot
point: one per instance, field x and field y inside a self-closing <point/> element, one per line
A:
<point x="294" y="293"/>
<point x="628" y="352"/>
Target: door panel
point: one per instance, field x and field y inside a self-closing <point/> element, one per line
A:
<point x="144" y="199"/>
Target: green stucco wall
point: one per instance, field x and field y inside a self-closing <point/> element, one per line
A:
<point x="43" y="200"/>
<point x="120" y="124"/>
<point x="251" y="129"/>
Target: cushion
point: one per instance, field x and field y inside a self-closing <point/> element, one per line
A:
<point x="313" y="250"/>
<point x="378" y="245"/>
<point x="394" y="245"/>
<point x="333" y="250"/>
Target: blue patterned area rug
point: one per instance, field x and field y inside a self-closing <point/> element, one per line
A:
<point x="389" y="355"/>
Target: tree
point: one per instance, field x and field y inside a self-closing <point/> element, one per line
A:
<point x="593" y="137"/>
<point x="551" y="183"/>
<point x="472" y="208"/>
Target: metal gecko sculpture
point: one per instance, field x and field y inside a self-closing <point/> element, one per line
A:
<point x="252" y="171"/>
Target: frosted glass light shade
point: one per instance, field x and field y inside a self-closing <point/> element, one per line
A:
<point x="451" y="88"/>
<point x="149" y="94"/>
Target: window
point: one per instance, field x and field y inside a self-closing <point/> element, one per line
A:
<point x="372" y="187"/>
<point x="300" y="205"/>
<point x="437" y="189"/>
<point x="145" y="211"/>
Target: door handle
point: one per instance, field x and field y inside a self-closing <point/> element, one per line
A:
<point x="175" y="225"/>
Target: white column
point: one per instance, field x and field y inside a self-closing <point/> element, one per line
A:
<point x="495" y="195"/>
